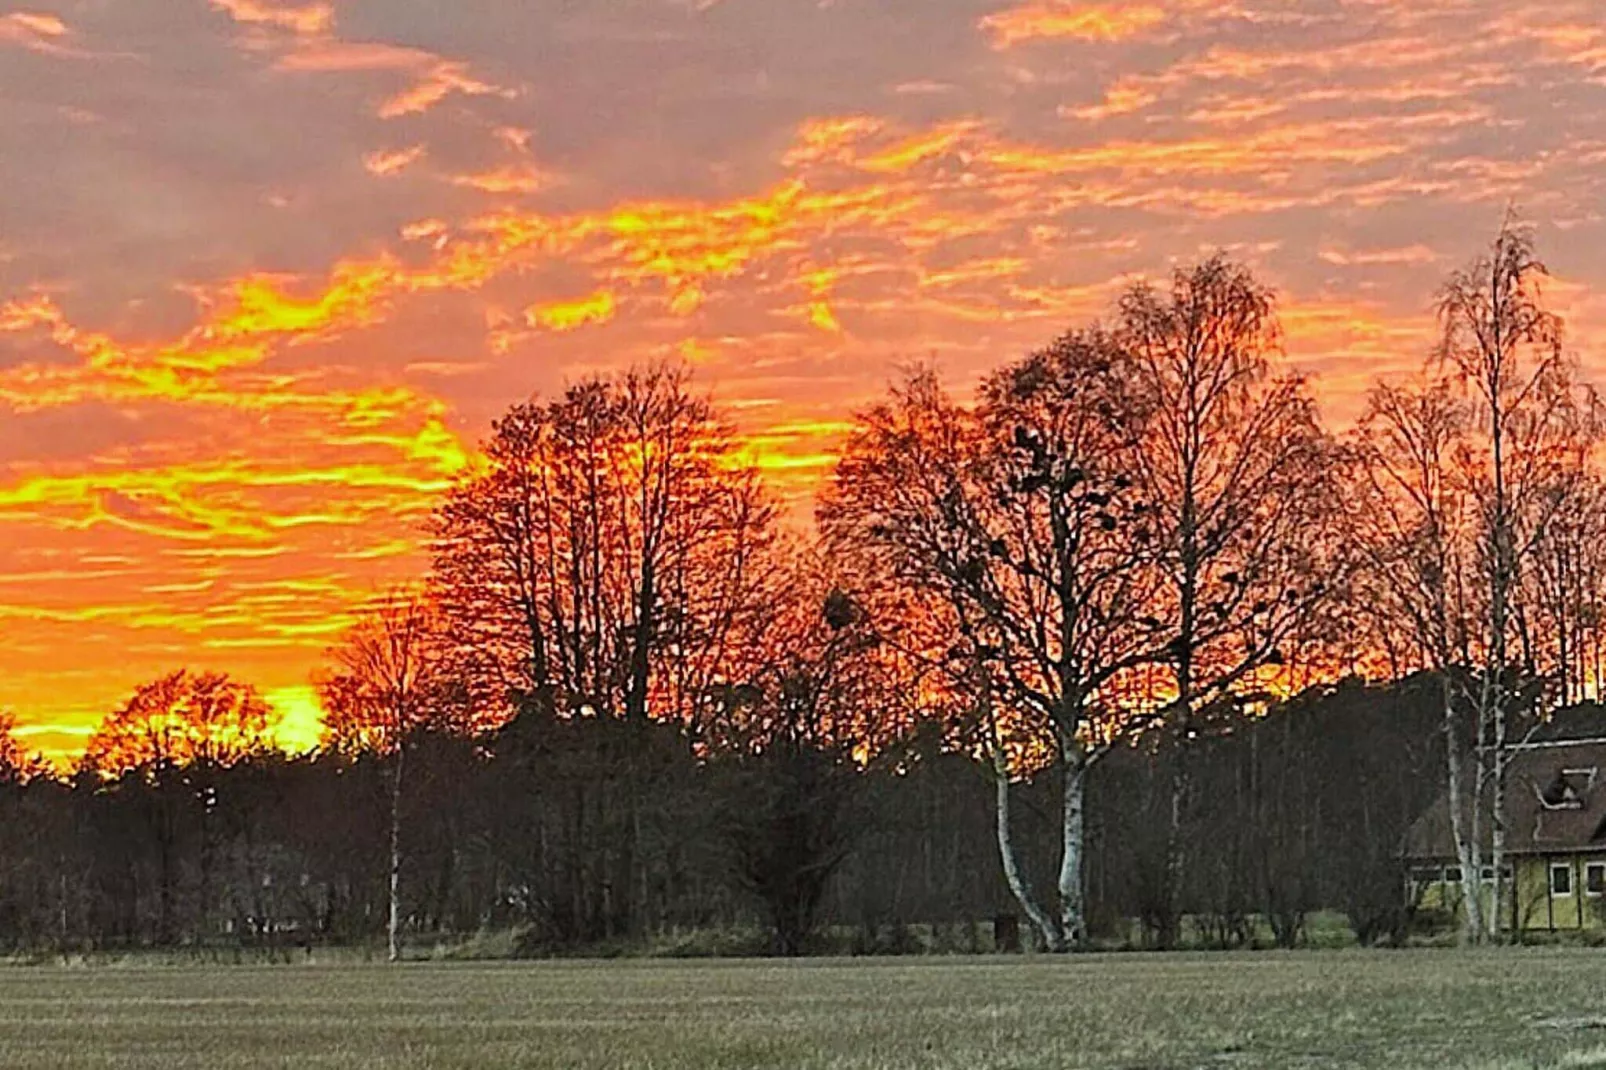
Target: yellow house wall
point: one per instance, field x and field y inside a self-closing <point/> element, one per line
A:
<point x="1539" y="910"/>
<point x="1442" y="896"/>
<point x="1536" y="909"/>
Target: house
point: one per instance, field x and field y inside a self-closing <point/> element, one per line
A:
<point x="1555" y="834"/>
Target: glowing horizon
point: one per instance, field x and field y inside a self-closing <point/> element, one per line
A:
<point x="268" y="268"/>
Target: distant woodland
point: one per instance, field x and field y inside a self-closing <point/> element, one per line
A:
<point x="1117" y="646"/>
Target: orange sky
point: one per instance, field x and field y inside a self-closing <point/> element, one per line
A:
<point x="268" y="269"/>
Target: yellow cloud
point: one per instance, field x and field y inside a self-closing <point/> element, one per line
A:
<point x="1043" y="20"/>
<point x="571" y="315"/>
<point x="311" y="20"/>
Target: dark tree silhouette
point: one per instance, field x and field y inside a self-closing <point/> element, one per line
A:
<point x="390" y="680"/>
<point x="1019" y="521"/>
<point x="1243" y="487"/>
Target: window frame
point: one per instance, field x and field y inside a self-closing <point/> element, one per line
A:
<point x="1599" y="889"/>
<point x="1561" y="867"/>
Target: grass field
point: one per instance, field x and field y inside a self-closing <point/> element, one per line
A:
<point x="1510" y="1008"/>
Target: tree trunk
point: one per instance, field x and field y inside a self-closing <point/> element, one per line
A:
<point x="1466" y="846"/>
<point x="393" y="928"/>
<point x="1053" y="938"/>
<point x="1046" y="924"/>
<point x="1497" y="829"/>
<point x="1073" y="897"/>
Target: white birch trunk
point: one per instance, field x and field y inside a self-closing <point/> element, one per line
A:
<point x="1073" y="897"/>
<point x="1466" y="846"/>
<point x="1053" y="938"/>
<point x="1497" y="830"/>
<point x="393" y="927"/>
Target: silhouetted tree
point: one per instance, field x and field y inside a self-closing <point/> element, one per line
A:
<point x="1018" y="521"/>
<point x="391" y="680"/>
<point x="601" y="563"/>
<point x="787" y="736"/>
<point x="1242" y="487"/>
<point x="164" y="748"/>
<point x="1467" y="471"/>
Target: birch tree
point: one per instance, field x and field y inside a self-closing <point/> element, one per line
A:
<point x="1478" y="526"/>
<point x="1017" y="520"/>
<point x="1242" y="484"/>
<point x="389" y="681"/>
<point x="1415" y="523"/>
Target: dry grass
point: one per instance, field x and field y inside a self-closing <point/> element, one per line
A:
<point x="1485" y="1010"/>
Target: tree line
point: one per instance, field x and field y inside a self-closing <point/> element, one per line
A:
<point x="1089" y="645"/>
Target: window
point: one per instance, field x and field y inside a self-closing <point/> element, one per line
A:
<point x="1561" y="880"/>
<point x="1423" y="877"/>
<point x="1595" y="879"/>
<point x="1486" y="874"/>
<point x="1452" y="874"/>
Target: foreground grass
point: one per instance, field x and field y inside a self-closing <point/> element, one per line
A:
<point x="1498" y="1009"/>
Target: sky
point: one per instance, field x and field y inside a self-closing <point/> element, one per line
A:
<point x="268" y="269"/>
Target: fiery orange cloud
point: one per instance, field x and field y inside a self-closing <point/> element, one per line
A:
<point x="570" y="315"/>
<point x="830" y="139"/>
<point x="309" y="20"/>
<point x="330" y="56"/>
<point x="515" y="179"/>
<point x="1050" y="19"/>
<point x="442" y="80"/>
<point x="1123" y="98"/>
<point x="388" y="162"/>
<point x="316" y="50"/>
<point x="257" y="305"/>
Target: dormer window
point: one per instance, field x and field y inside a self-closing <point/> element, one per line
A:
<point x="1566" y="789"/>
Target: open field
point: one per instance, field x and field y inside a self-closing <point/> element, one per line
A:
<point x="1517" y="1008"/>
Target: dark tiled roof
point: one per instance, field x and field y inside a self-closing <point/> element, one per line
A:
<point x="1582" y="722"/>
<point x="1555" y="802"/>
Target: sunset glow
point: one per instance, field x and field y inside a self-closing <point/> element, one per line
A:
<point x="269" y="269"/>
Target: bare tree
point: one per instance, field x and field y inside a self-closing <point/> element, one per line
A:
<point x="1414" y="520"/>
<point x="603" y="561"/>
<point x="1017" y="520"/>
<point x="1476" y="519"/>
<point x="390" y="679"/>
<point x="180" y="719"/>
<point x="1567" y="599"/>
<point x="605" y="531"/>
<point x="1242" y="483"/>
<point x="796" y="738"/>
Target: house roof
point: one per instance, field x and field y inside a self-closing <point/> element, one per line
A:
<point x="1555" y="801"/>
